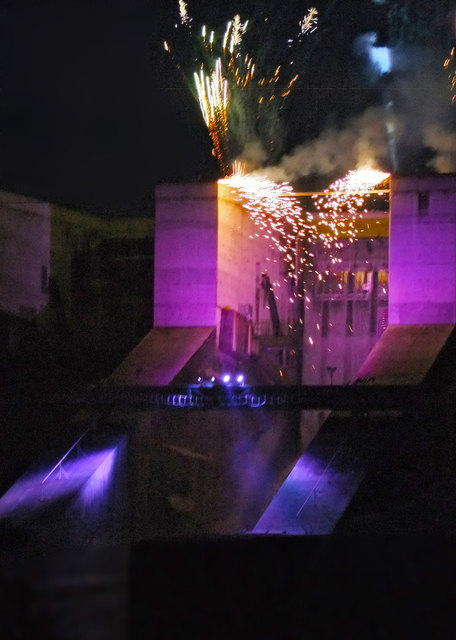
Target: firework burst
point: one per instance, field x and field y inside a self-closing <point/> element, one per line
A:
<point x="450" y="65"/>
<point x="309" y="22"/>
<point x="184" y="17"/>
<point x="276" y="211"/>
<point x="239" y="101"/>
<point x="342" y="204"/>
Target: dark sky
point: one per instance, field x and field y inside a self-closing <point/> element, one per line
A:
<point x="94" y="115"/>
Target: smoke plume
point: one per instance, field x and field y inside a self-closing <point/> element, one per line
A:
<point x="443" y="142"/>
<point x="363" y="143"/>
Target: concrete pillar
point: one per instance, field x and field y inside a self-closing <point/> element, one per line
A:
<point x="209" y="256"/>
<point x="185" y="287"/>
<point x="422" y="255"/>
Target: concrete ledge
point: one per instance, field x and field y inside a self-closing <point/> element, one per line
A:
<point x="404" y="354"/>
<point x="161" y="355"/>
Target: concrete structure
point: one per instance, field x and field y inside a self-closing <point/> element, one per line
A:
<point x="422" y="254"/>
<point x="205" y="259"/>
<point x="165" y="354"/>
<point x="25" y="226"/>
<point x="405" y="354"/>
<point x="346" y="315"/>
<point x="74" y="287"/>
<point x="216" y="472"/>
<point x="102" y="284"/>
<point x="154" y="475"/>
<point x="209" y="257"/>
<point x="330" y="472"/>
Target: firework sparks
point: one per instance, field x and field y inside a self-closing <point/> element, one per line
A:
<point x="277" y="213"/>
<point x="233" y="115"/>
<point x="338" y="210"/>
<point x="212" y="96"/>
<point x="185" y="18"/>
<point x="449" y="64"/>
<point x="309" y="22"/>
<point x="237" y="31"/>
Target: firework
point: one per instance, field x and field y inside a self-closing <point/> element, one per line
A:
<point x="276" y="211"/>
<point x="240" y="102"/>
<point x="212" y="96"/>
<point x="342" y="202"/>
<point x="309" y="22"/>
<point x="184" y="17"/>
<point x="449" y="64"/>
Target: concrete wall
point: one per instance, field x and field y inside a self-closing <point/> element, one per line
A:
<point x="76" y="236"/>
<point x="185" y="285"/>
<point x="209" y="256"/>
<point x="24" y="255"/>
<point x="423" y="250"/>
<point x="206" y="472"/>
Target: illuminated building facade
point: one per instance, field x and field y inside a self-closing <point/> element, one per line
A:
<point x="202" y="471"/>
<point x="218" y="265"/>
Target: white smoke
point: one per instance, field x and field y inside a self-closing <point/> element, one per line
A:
<point x="253" y="155"/>
<point x="362" y="143"/>
<point x="443" y="142"/>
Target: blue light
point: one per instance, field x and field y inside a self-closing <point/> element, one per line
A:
<point x="226" y="378"/>
<point x="381" y="59"/>
<point x="240" y="378"/>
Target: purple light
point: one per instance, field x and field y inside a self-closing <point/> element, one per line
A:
<point x="38" y="488"/>
<point x="98" y="483"/>
<point x="240" y="378"/>
<point x="226" y="378"/>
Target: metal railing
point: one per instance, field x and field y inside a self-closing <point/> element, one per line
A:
<point x="356" y="398"/>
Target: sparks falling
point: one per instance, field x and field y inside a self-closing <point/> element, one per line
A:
<point x="276" y="211"/>
<point x="339" y="209"/>
<point x="239" y="102"/>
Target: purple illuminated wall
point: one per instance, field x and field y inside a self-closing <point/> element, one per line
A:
<point x="423" y="250"/>
<point x="207" y="258"/>
<point x="185" y="286"/>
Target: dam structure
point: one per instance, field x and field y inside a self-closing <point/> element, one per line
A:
<point x="210" y="426"/>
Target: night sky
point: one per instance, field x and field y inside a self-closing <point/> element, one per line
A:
<point x="94" y="115"/>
